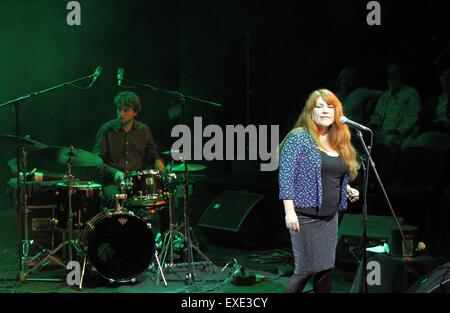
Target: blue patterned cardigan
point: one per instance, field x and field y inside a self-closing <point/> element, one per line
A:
<point x="300" y="177"/>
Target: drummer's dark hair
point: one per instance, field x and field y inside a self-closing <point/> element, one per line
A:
<point x="128" y="99"/>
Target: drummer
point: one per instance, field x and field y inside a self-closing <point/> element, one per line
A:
<point x="125" y="144"/>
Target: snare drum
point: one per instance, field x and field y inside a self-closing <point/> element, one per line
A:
<point x="86" y="197"/>
<point x="144" y="189"/>
<point x="119" y="245"/>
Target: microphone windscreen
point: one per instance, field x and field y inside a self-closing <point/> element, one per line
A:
<point x="343" y="119"/>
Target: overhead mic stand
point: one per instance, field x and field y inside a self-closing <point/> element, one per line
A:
<point x="21" y="194"/>
<point x="366" y="167"/>
<point x="189" y="278"/>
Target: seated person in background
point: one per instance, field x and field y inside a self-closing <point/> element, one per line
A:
<point x="430" y="140"/>
<point x="434" y="131"/>
<point x="396" y="114"/>
<point x="357" y="101"/>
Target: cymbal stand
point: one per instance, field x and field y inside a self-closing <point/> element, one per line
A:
<point x="169" y="237"/>
<point x="26" y="242"/>
<point x="69" y="202"/>
<point x="190" y="275"/>
<point x="70" y="181"/>
<point x="50" y="254"/>
<point x="26" y="245"/>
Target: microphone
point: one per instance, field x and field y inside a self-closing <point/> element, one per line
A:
<point x="37" y="176"/>
<point x="344" y="120"/>
<point x="119" y="76"/>
<point x="96" y="74"/>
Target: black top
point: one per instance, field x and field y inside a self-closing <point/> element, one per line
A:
<point x="332" y="171"/>
<point x="124" y="151"/>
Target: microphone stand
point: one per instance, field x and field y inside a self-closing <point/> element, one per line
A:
<point x="182" y="97"/>
<point x="21" y="191"/>
<point x="366" y="172"/>
<point x="366" y="167"/>
<point x="189" y="278"/>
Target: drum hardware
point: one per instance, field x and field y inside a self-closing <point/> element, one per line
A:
<point x="86" y="198"/>
<point x="71" y="156"/>
<point x="119" y="200"/>
<point x="170" y="235"/>
<point x="43" y="255"/>
<point x="168" y="244"/>
<point x="144" y="189"/>
<point x="42" y="224"/>
<point x="182" y="102"/>
<point x="23" y="212"/>
<point x="65" y="219"/>
<point x="190" y="168"/>
<point x="21" y="190"/>
<point x="49" y="255"/>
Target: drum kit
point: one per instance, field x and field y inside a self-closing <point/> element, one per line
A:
<point x="116" y="243"/>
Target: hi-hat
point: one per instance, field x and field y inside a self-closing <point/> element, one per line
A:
<point x="31" y="144"/>
<point x="78" y="157"/>
<point x="169" y="152"/>
<point x="181" y="167"/>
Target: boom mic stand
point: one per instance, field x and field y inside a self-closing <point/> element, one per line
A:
<point x="21" y="191"/>
<point x="189" y="278"/>
<point x="367" y="167"/>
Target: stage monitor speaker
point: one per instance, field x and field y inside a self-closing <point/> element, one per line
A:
<point x="348" y="252"/>
<point x="240" y="219"/>
<point x="437" y="281"/>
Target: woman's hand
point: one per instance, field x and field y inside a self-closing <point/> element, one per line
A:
<point x="292" y="221"/>
<point x="352" y="194"/>
<point x="290" y="216"/>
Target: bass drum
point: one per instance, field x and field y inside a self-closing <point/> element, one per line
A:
<point x="119" y="246"/>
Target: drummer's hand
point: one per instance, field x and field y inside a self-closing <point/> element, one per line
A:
<point x="118" y="177"/>
<point x="159" y="165"/>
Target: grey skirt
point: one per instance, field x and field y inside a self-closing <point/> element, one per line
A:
<point x="314" y="246"/>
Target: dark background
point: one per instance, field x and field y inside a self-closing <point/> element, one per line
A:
<point x="259" y="59"/>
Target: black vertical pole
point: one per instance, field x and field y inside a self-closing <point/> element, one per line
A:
<point x="19" y="191"/>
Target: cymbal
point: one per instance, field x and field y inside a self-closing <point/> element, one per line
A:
<point x="169" y="152"/>
<point x="190" y="167"/>
<point x="79" y="157"/>
<point x="31" y="144"/>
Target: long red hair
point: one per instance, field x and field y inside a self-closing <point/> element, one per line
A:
<point x="338" y="135"/>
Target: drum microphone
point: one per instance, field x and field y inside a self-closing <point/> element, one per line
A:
<point x="344" y="120"/>
<point x="96" y="74"/>
<point x="34" y="175"/>
<point x="119" y="76"/>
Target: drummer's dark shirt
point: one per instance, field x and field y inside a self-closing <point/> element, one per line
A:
<point x="124" y="151"/>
